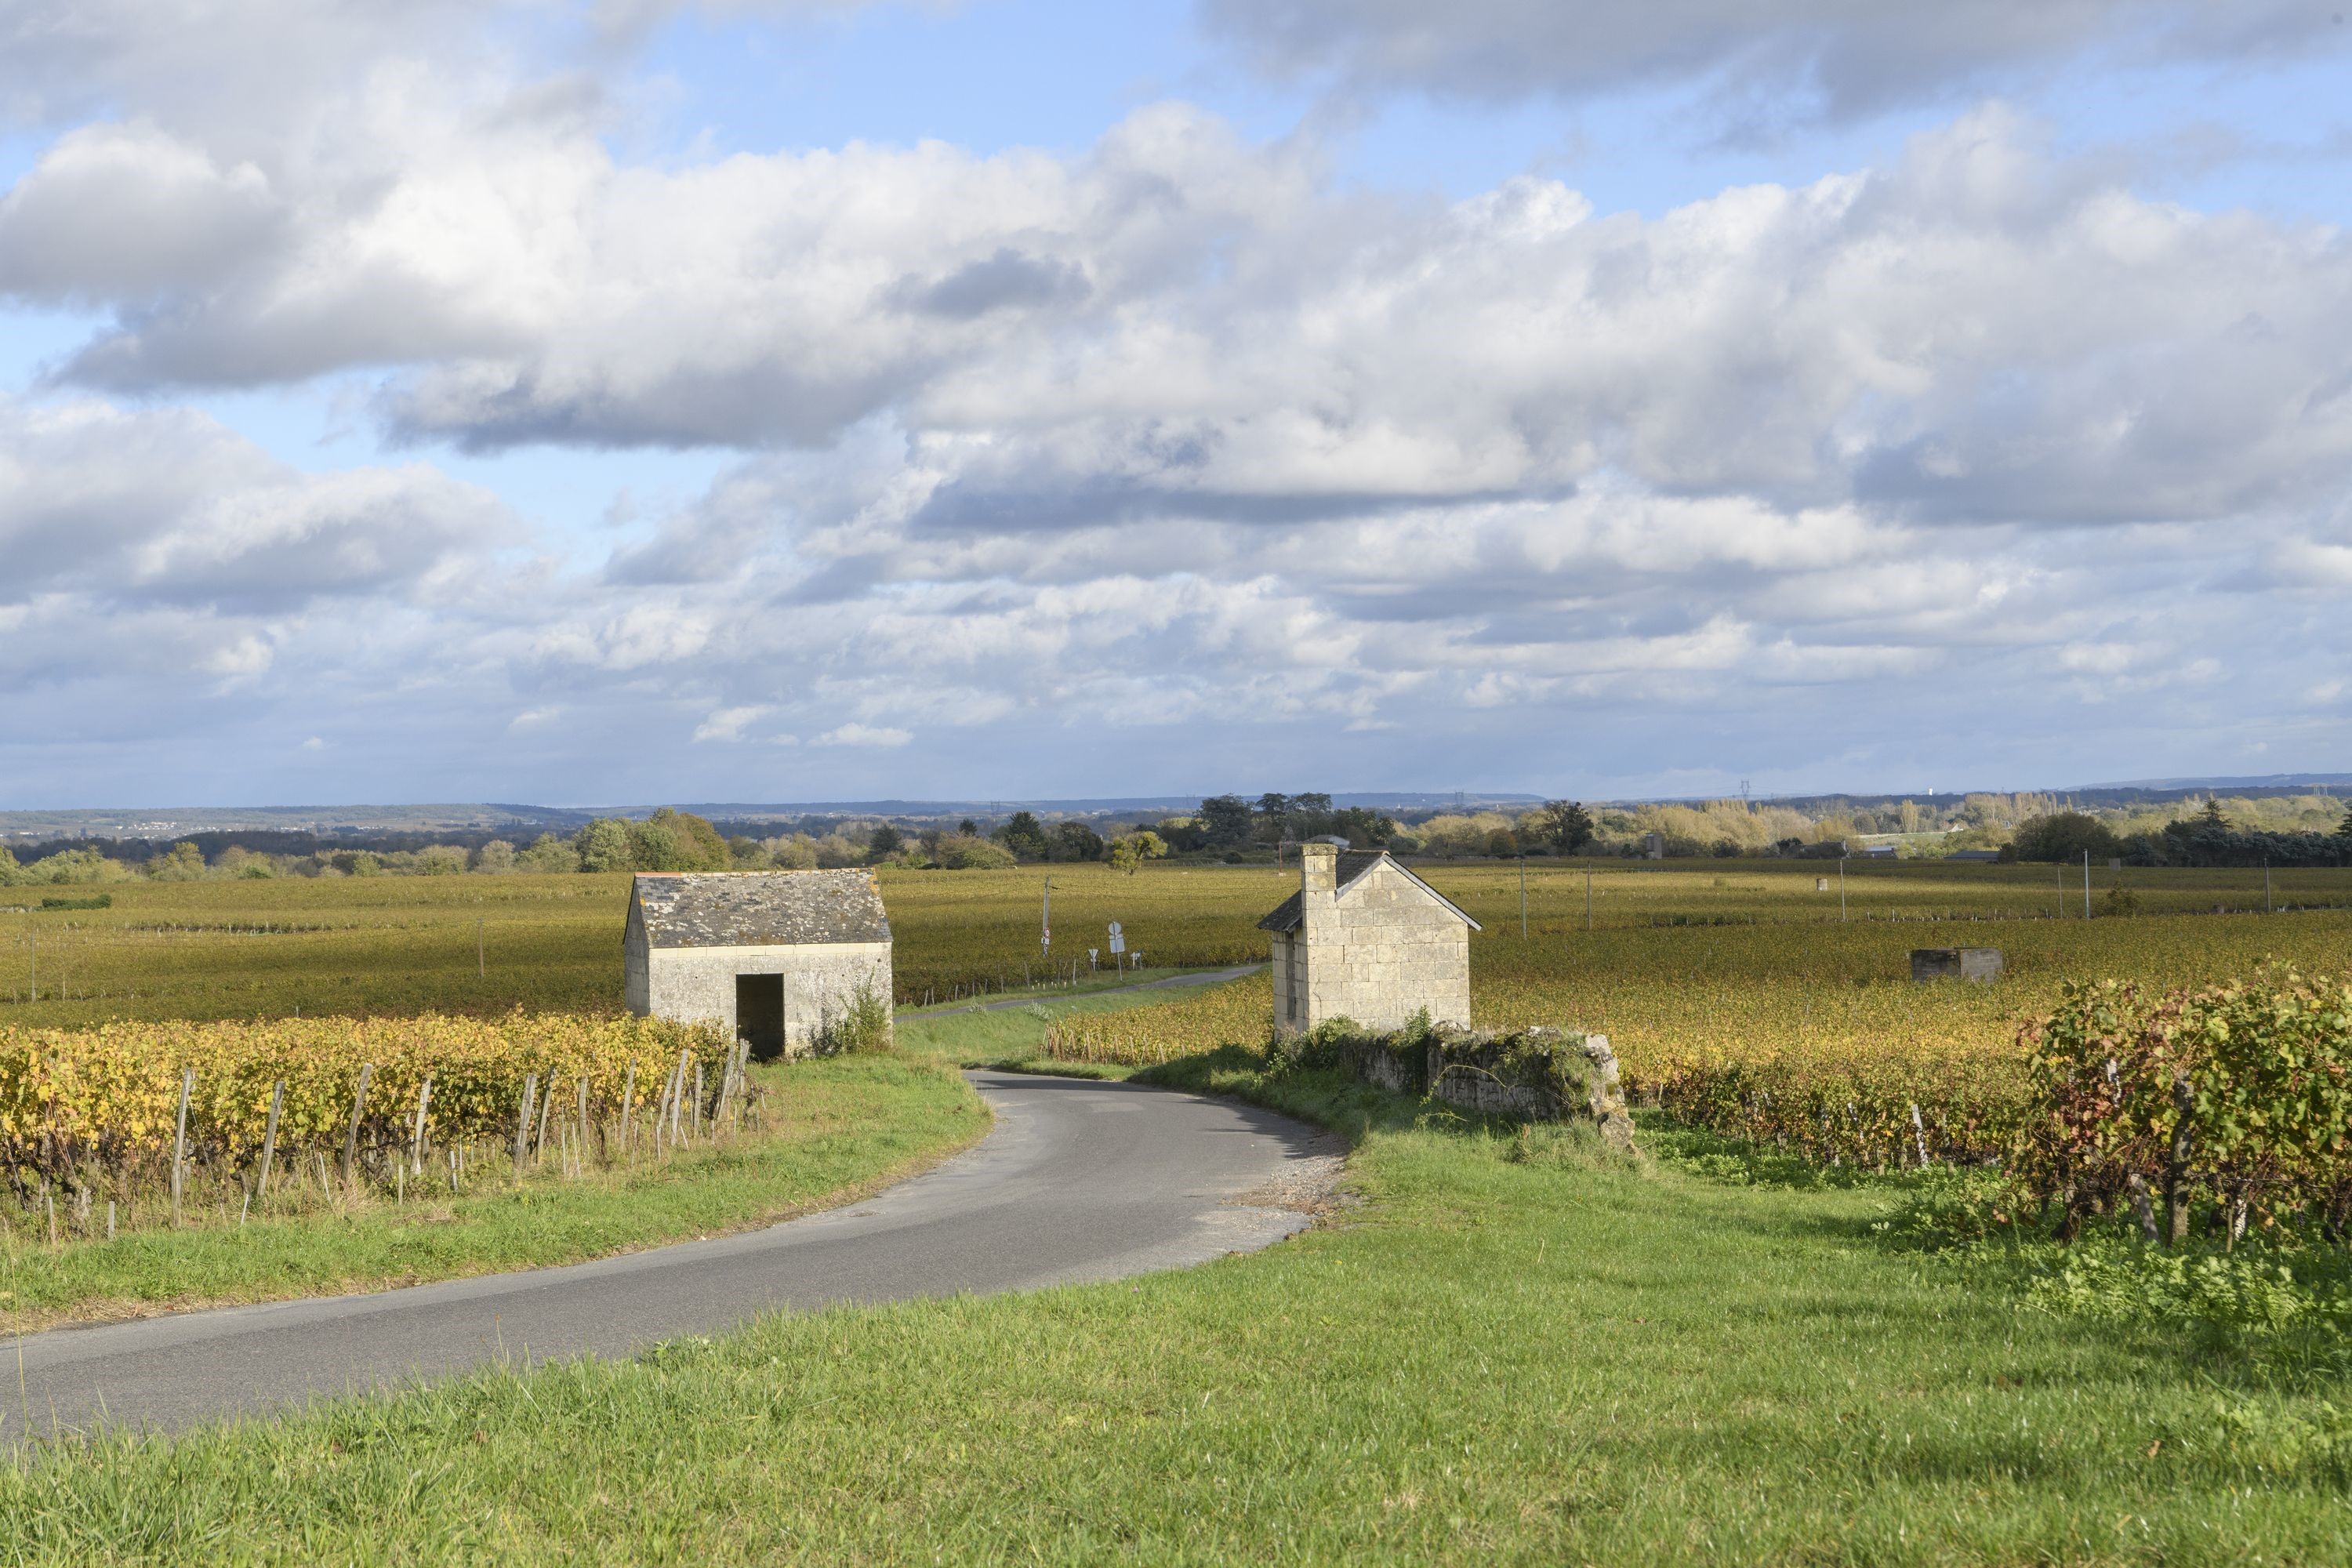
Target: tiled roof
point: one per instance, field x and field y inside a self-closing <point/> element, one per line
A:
<point x="759" y="909"/>
<point x="1353" y="863"/>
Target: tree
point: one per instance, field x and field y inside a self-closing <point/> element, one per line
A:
<point x="1565" y="824"/>
<point x="969" y="852"/>
<point x="1076" y="841"/>
<point x="605" y="845"/>
<point x="2343" y="829"/>
<point x="673" y="840"/>
<point x="2211" y="816"/>
<point x="882" y="843"/>
<point x="968" y="828"/>
<point x="1024" y="834"/>
<point x="548" y="853"/>
<point x="2064" y="836"/>
<point x="9" y="871"/>
<point x="1128" y="852"/>
<point x="1273" y="817"/>
<point x="1225" y="820"/>
<point x="496" y="856"/>
<point x="182" y="862"/>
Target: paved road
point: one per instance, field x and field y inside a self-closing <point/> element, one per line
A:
<point x="1205" y="977"/>
<point x="1080" y="1181"/>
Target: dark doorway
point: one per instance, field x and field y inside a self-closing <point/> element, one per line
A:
<point x="759" y="1013"/>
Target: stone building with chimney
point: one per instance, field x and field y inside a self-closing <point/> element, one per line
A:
<point x="1365" y="940"/>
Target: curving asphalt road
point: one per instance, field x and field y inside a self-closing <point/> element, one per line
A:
<point x="1080" y="1181"/>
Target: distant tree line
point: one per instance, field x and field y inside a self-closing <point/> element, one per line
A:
<point x="2207" y="838"/>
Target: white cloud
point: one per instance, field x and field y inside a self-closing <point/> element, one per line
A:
<point x="864" y="735"/>
<point x="729" y="723"/>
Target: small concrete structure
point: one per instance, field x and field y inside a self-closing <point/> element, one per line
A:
<point x="774" y="957"/>
<point x="1980" y="964"/>
<point x="1654" y="847"/>
<point x="1365" y="940"/>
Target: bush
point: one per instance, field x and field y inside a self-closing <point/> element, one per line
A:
<point x="863" y="1026"/>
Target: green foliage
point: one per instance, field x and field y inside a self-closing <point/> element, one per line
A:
<point x="672" y="840"/>
<point x="863" y="1026"/>
<point x="963" y="852"/>
<point x="606" y="844"/>
<point x="1128" y="852"/>
<point x="1076" y="841"/>
<point x="102" y="901"/>
<point x="10" y="872"/>
<point x="2239" y="1095"/>
<point x="2119" y="901"/>
<point x="882" y="843"/>
<point x="2064" y="836"/>
<point x="182" y="862"/>
<point x="1565" y="824"/>
<point x="1226" y="820"/>
<point x="1024" y="834"/>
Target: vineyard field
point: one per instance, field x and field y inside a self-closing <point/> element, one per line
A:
<point x="486" y="945"/>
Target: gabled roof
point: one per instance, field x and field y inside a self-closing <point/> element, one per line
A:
<point x="759" y="908"/>
<point x="1353" y="863"/>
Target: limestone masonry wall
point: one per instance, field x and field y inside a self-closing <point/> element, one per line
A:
<point x="1382" y="950"/>
<point x="822" y="979"/>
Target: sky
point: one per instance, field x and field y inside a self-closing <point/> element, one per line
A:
<point x="777" y="400"/>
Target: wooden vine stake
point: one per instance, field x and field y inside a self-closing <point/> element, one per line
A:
<point x="628" y="1103"/>
<point x="416" y="1138"/>
<point x="522" y="1119"/>
<point x="179" y="1143"/>
<point x="352" y="1133"/>
<point x="268" y="1148"/>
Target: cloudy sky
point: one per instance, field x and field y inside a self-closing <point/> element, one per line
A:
<point x="807" y="399"/>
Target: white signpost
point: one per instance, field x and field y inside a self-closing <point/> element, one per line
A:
<point x="1117" y="944"/>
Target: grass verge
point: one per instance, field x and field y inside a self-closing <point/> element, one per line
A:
<point x="838" y="1127"/>
<point x="1012" y="1038"/>
<point x="1516" y="1351"/>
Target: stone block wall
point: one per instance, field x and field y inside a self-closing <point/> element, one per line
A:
<point x="1980" y="964"/>
<point x="698" y="984"/>
<point x="1381" y="951"/>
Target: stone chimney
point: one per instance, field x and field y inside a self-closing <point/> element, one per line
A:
<point x="1319" y="869"/>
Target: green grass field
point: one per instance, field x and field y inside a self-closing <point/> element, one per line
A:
<point x="1510" y="1350"/>
<point x="833" y="1128"/>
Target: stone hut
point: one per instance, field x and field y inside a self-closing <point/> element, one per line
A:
<point x="773" y="956"/>
<point x="1366" y="940"/>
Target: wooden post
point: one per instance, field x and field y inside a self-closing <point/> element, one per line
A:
<point x="269" y="1144"/>
<point x="547" y="1103"/>
<point x="522" y="1119"/>
<point x="628" y="1104"/>
<point x="180" y="1142"/>
<point x="693" y="1119"/>
<point x="352" y="1133"/>
<point x="583" y="1117"/>
<point x="416" y="1139"/>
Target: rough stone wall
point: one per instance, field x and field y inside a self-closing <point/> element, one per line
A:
<point x="1380" y="951"/>
<point x="821" y="980"/>
<point x="1288" y="990"/>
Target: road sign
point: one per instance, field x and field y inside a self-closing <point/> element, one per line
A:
<point x="1118" y="942"/>
<point x="1115" y="928"/>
